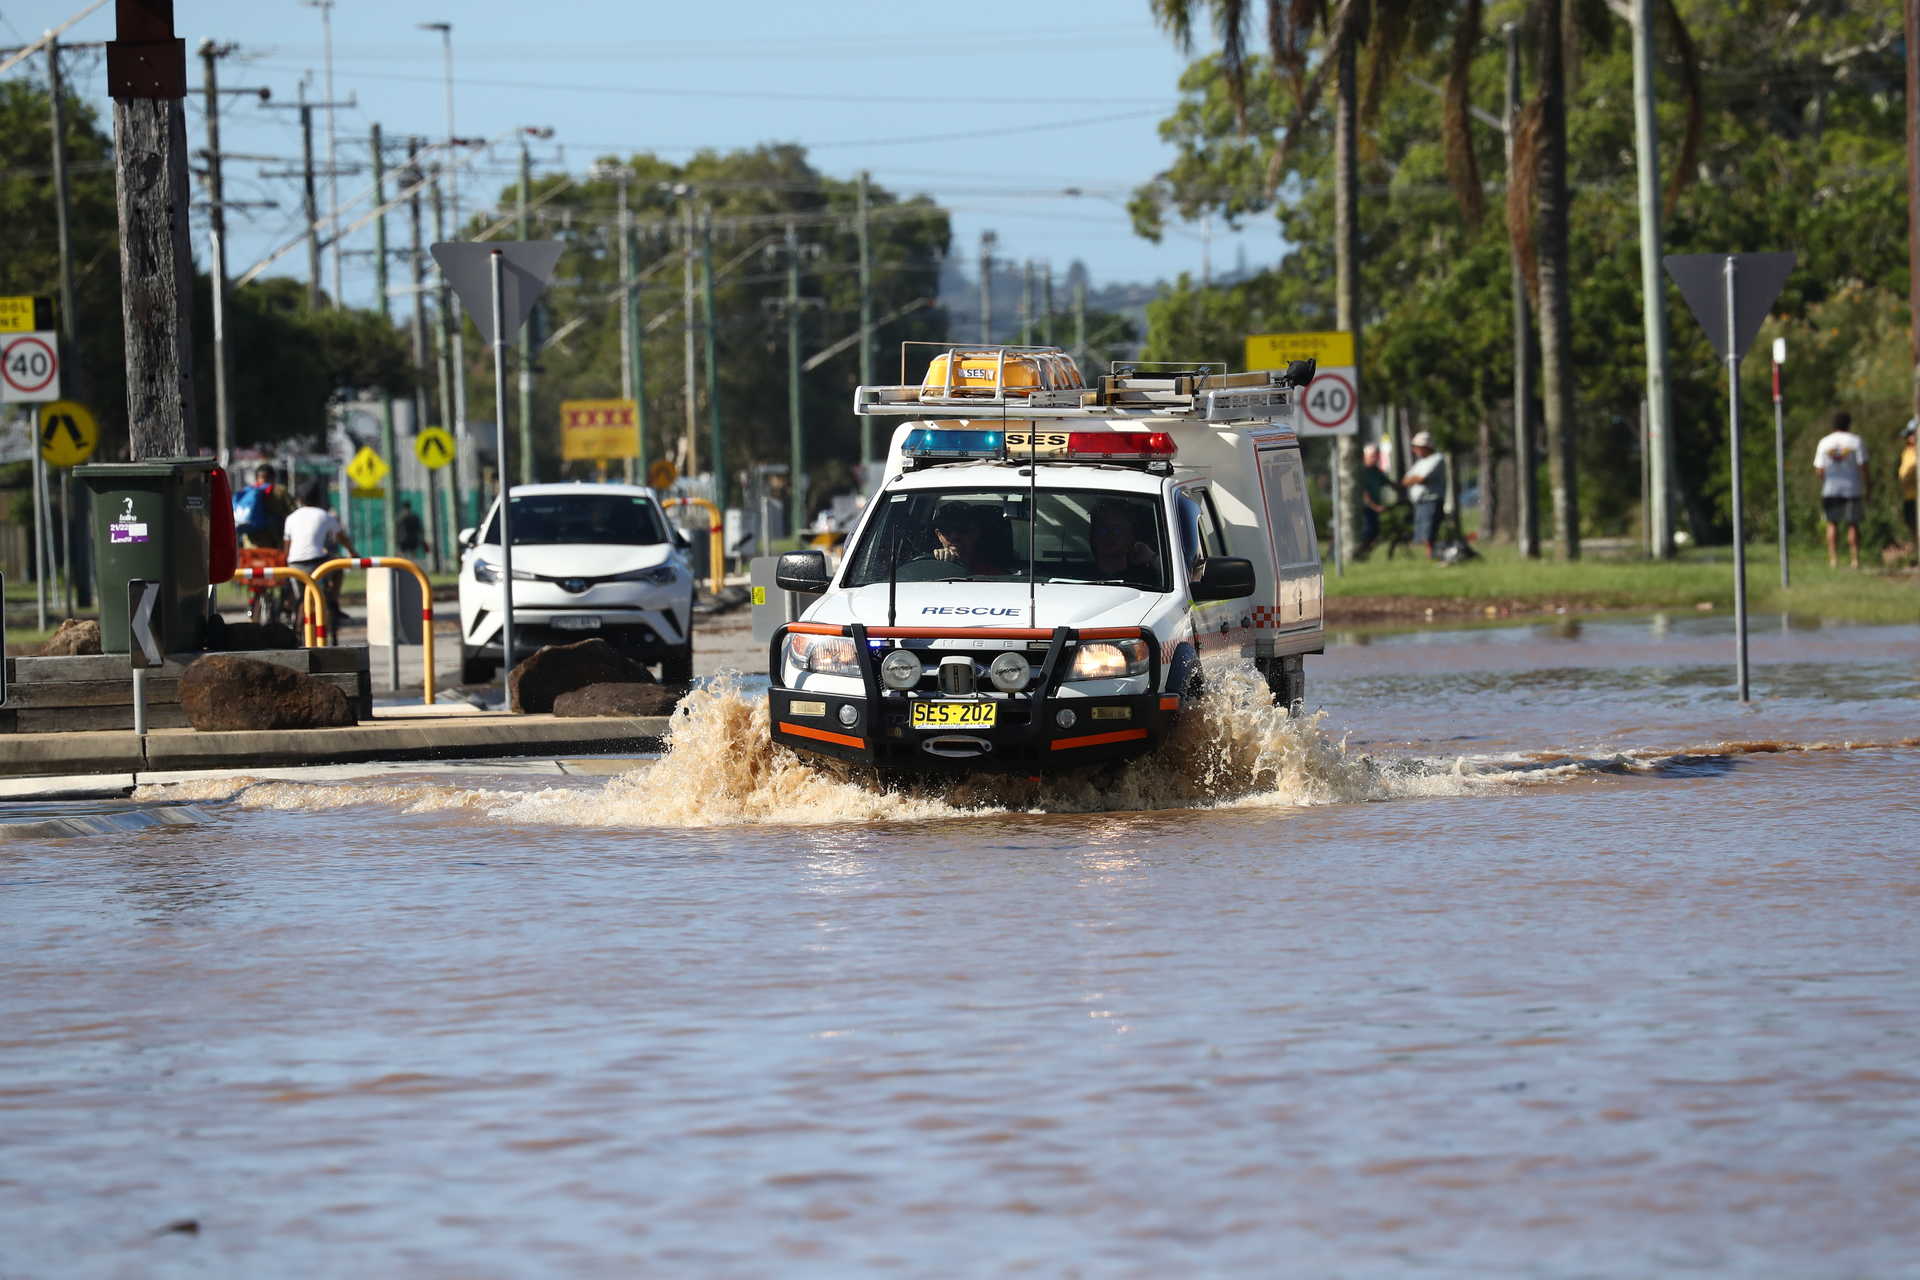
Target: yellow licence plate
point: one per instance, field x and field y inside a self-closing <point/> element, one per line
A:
<point x="953" y="715"/>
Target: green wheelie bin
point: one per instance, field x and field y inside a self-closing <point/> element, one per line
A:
<point x="150" y="520"/>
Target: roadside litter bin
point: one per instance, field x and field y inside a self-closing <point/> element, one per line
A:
<point x="150" y="521"/>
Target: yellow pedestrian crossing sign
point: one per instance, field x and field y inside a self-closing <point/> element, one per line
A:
<point x="367" y="469"/>
<point x="434" y="447"/>
<point x="68" y="433"/>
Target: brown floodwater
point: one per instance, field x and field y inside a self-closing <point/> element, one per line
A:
<point x="1536" y="954"/>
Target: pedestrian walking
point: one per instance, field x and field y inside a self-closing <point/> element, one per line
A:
<point x="1426" y="486"/>
<point x="1841" y="460"/>
<point x="1376" y="495"/>
<point x="1909" y="474"/>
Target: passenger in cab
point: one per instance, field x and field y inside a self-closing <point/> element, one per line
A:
<point x="964" y="534"/>
<point x="1118" y="550"/>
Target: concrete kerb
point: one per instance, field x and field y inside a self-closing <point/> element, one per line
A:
<point x="62" y="759"/>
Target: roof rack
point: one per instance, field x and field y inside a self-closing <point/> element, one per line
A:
<point x="1044" y="382"/>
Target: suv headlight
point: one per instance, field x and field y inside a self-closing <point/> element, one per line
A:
<point x="1109" y="660"/>
<point x="660" y="575"/>
<point x="487" y="573"/>
<point x="827" y="655"/>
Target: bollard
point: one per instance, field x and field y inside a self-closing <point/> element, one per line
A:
<point x="717" y="548"/>
<point x="426" y="604"/>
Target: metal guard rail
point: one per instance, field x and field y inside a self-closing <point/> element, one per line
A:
<point x="313" y="624"/>
<point x="426" y="604"/>
<point x="717" y="548"/>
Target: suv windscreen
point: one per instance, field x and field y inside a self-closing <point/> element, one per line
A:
<point x="553" y="519"/>
<point x="986" y="535"/>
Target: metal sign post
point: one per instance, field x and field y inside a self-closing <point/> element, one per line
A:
<point x="499" y="283"/>
<point x="144" y="650"/>
<point x="1780" y="454"/>
<point x="1730" y="294"/>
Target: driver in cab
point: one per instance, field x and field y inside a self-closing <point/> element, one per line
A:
<point x="1118" y="551"/>
<point x="960" y="532"/>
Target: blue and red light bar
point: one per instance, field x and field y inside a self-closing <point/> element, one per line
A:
<point x="942" y="444"/>
<point x="937" y="444"/>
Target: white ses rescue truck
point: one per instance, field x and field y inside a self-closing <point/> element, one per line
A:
<point x="1047" y="565"/>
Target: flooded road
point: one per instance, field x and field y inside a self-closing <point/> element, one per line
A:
<point x="1537" y="955"/>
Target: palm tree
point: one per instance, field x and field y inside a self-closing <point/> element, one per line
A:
<point x="1383" y="28"/>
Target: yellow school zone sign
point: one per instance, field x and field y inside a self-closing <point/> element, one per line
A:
<point x="1278" y="350"/>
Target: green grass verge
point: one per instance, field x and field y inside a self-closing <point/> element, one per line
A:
<point x="1701" y="576"/>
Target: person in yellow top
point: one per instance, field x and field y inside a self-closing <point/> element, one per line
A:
<point x="1908" y="476"/>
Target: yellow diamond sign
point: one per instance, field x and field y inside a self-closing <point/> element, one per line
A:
<point x="367" y="469"/>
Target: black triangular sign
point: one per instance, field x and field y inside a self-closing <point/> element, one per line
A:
<point x="1757" y="280"/>
<point x="525" y="268"/>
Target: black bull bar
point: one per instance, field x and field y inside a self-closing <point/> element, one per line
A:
<point x="1025" y="735"/>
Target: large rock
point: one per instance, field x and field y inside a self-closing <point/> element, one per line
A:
<point x="624" y="699"/>
<point x="537" y="680"/>
<point x="74" y="636"/>
<point x="224" y="691"/>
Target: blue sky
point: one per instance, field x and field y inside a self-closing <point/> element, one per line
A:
<point x="992" y="107"/>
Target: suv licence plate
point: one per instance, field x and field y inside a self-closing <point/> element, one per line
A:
<point x="953" y="715"/>
<point x="576" y="622"/>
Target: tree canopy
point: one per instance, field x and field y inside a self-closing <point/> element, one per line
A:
<point x="1801" y="148"/>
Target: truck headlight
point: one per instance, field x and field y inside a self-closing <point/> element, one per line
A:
<point x="826" y="655"/>
<point x="1109" y="660"/>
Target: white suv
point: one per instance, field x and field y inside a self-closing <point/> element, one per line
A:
<point x="588" y="560"/>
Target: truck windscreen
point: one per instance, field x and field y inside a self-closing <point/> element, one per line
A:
<point x="982" y="535"/>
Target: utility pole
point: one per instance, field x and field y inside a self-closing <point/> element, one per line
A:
<point x="987" y="241"/>
<point x="686" y="298"/>
<point x="210" y="55"/>
<point x="69" y="347"/>
<point x="1046" y="314"/>
<point x="526" y="333"/>
<point x="386" y="313"/>
<point x="866" y="315"/>
<point x="451" y="375"/>
<point x="417" y="260"/>
<point x="1653" y="310"/>
<point x="796" y="444"/>
<point x="630" y="383"/>
<point x="717" y="439"/>
<point x="1080" y="323"/>
<point x="147" y="78"/>
<point x="313" y="215"/>
<point x="1026" y="303"/>
<point x="1912" y="19"/>
<point x="1526" y="511"/>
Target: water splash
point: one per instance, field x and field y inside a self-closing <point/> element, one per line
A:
<point x="721" y="768"/>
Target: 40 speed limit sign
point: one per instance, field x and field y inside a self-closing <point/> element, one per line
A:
<point x="29" y="367"/>
<point x="1331" y="406"/>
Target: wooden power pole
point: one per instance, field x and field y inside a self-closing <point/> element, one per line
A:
<point x="147" y="78"/>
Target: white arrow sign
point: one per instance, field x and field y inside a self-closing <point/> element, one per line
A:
<point x="141" y="597"/>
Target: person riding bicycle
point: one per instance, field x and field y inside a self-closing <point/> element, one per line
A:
<point x="313" y="534"/>
<point x="260" y="512"/>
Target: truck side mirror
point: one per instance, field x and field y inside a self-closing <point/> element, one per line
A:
<point x="806" y="572"/>
<point x="680" y="538"/>
<point x="1226" y="578"/>
<point x="467" y="536"/>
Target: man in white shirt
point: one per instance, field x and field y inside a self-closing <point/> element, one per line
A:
<point x="1426" y="487"/>
<point x="1841" y="460"/>
<point x="313" y="533"/>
